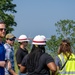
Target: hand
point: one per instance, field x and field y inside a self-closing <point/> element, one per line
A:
<point x="9" y="65"/>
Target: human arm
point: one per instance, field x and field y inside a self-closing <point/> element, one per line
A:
<point x="18" y="58"/>
<point x="52" y="67"/>
<point x="12" y="72"/>
<point x="2" y="63"/>
<point x="23" y="65"/>
<point x="51" y="64"/>
<point x="10" y="69"/>
<point x="22" y="69"/>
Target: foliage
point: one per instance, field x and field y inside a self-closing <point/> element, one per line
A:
<point x="66" y="30"/>
<point x="53" y="44"/>
<point x="6" y="8"/>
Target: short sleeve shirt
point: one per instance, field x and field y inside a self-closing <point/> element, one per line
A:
<point x="43" y="61"/>
<point x="20" y="54"/>
<point x="58" y="62"/>
<point x="9" y="55"/>
<point x="2" y="57"/>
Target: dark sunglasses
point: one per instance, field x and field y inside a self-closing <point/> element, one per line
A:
<point x="1" y="29"/>
<point x="12" y="39"/>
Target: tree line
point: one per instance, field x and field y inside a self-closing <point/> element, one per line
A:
<point x="65" y="28"/>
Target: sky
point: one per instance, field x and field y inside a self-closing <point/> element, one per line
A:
<point x="38" y="17"/>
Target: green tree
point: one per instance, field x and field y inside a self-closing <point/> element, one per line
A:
<point x="6" y="8"/>
<point x="66" y="30"/>
<point x="53" y="44"/>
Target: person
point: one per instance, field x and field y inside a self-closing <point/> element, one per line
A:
<point x="22" y="50"/>
<point x="37" y="62"/>
<point x="9" y="55"/>
<point x="2" y="49"/>
<point x="65" y="60"/>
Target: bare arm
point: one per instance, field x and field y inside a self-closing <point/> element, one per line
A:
<point x="12" y="72"/>
<point x="22" y="69"/>
<point x="52" y="67"/>
<point x="2" y="63"/>
<point x="10" y="69"/>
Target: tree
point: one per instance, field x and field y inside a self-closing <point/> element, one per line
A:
<point x="66" y="30"/>
<point x="6" y="8"/>
<point x="53" y="44"/>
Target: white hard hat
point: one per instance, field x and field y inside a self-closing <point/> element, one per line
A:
<point x="22" y="38"/>
<point x="43" y="37"/>
<point x="38" y="40"/>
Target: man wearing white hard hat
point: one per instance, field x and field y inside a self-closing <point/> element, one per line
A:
<point x="22" y="51"/>
<point x="38" y="62"/>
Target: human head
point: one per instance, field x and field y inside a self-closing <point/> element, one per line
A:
<point x="38" y="42"/>
<point x="10" y="38"/>
<point x="64" y="47"/>
<point x="23" y="40"/>
<point x="2" y="29"/>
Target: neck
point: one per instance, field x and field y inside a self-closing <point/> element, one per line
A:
<point x="0" y="40"/>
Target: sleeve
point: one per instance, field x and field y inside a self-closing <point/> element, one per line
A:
<point x="18" y="57"/>
<point x="49" y="58"/>
<point x="24" y="61"/>
<point x="7" y="54"/>
<point x="58" y="62"/>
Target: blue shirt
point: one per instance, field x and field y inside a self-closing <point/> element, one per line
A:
<point x="9" y="55"/>
<point x="2" y="57"/>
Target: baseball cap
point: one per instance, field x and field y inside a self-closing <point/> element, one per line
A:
<point x="9" y="36"/>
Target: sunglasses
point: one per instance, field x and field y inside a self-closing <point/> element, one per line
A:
<point x="1" y="29"/>
<point x="12" y="39"/>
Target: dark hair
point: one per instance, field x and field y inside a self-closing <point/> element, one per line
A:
<point x="65" y="47"/>
<point x="34" y="56"/>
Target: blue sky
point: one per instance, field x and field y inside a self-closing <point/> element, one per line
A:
<point x="35" y="17"/>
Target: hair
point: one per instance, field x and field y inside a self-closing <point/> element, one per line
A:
<point x="33" y="60"/>
<point x="65" y="47"/>
<point x="2" y="22"/>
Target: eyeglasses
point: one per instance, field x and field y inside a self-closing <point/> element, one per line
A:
<point x="1" y="29"/>
<point x="12" y="39"/>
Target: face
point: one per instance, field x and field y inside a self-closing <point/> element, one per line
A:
<point x="10" y="41"/>
<point x="2" y="30"/>
<point x="25" y="43"/>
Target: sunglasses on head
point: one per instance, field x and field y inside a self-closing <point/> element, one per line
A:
<point x="12" y="39"/>
<point x="1" y="29"/>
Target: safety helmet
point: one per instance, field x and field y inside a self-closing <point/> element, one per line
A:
<point x="22" y="38"/>
<point x="43" y="37"/>
<point x="38" y="40"/>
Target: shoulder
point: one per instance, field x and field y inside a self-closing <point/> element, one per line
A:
<point x="46" y="58"/>
<point x="46" y="55"/>
<point x="6" y="46"/>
